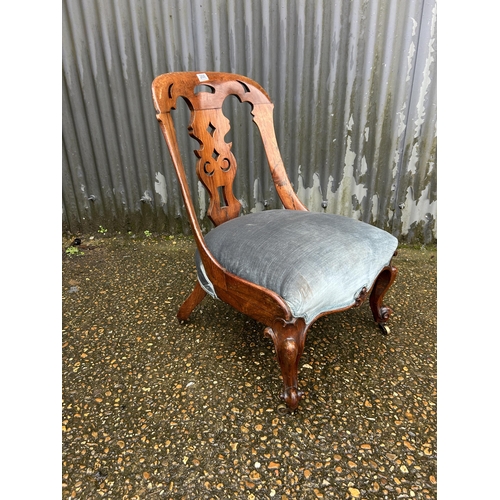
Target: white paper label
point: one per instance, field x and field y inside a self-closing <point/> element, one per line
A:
<point x="202" y="77"/>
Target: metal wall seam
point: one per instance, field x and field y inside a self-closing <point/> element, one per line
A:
<point x="353" y="82"/>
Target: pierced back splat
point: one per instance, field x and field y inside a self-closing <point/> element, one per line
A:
<point x="204" y="94"/>
<point x="216" y="165"/>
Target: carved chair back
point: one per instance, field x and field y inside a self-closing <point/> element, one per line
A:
<point x="216" y="165"/>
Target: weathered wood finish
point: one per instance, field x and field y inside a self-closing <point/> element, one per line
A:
<point x="216" y="168"/>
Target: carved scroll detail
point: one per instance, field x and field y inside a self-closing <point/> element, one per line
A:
<point x="289" y="339"/>
<point x="361" y="297"/>
<point x="385" y="279"/>
<point x="216" y="166"/>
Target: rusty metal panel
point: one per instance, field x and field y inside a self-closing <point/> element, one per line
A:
<point x="354" y="87"/>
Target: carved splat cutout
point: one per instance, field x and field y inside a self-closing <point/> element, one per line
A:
<point x="211" y="129"/>
<point x="244" y="85"/>
<point x="216" y="166"/>
<point x="204" y="88"/>
<point x="222" y="196"/>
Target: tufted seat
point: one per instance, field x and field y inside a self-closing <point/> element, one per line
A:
<point x="317" y="262"/>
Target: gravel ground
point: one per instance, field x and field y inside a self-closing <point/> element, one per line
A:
<point x="156" y="409"/>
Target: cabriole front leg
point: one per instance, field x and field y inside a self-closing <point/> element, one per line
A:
<point x="385" y="279"/>
<point x="289" y="339"/>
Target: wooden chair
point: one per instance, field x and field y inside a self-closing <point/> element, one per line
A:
<point x="285" y="267"/>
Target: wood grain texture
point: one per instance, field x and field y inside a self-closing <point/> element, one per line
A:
<point x="216" y="168"/>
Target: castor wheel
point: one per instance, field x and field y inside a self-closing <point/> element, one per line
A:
<point x="384" y="329"/>
<point x="283" y="409"/>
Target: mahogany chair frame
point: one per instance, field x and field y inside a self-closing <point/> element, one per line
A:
<point x="216" y="169"/>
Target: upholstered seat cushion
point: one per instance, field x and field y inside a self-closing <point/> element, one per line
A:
<point x="317" y="262"/>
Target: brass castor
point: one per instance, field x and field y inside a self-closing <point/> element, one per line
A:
<point x="384" y="329"/>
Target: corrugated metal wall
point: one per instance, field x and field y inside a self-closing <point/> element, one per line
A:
<point x="354" y="87"/>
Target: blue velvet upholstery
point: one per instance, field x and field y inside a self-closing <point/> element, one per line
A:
<point x="317" y="262"/>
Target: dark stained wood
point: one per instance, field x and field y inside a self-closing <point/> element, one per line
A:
<point x="216" y="168"/>
<point x="383" y="282"/>
<point x="289" y="338"/>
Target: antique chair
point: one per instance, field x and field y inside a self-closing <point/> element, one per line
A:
<point x="284" y="267"/>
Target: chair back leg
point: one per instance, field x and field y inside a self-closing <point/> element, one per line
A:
<point x="196" y="296"/>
